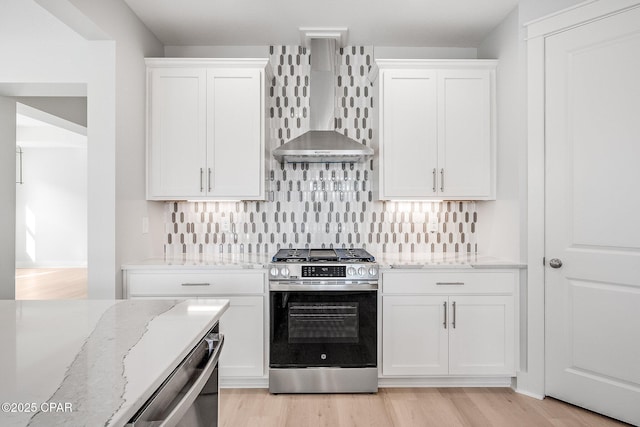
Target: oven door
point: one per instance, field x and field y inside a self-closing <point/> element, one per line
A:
<point x="321" y="326"/>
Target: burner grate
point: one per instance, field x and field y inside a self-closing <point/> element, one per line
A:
<point x="323" y="255"/>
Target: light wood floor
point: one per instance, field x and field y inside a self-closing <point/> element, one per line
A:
<point x="402" y="407"/>
<point x="51" y="283"/>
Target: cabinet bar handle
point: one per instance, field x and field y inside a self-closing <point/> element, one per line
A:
<point x="209" y="179"/>
<point x="434" y="180"/>
<point x="196" y="284"/>
<point x="441" y="179"/>
<point x="444" y="304"/>
<point x="449" y="283"/>
<point x="454" y="314"/>
<point x="201" y="184"/>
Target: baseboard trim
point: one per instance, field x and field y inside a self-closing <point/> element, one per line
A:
<point x="22" y="265"/>
<point x="399" y="382"/>
<point x="445" y="382"/>
<point x="528" y="393"/>
<point x="244" y="382"/>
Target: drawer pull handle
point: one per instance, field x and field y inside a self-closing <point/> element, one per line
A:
<point x="196" y="284"/>
<point x="450" y="283"/>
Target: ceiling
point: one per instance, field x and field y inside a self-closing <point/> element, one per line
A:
<point x="37" y="128"/>
<point x="32" y="133"/>
<point x="442" y="23"/>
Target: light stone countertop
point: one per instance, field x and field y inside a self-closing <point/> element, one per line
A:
<point x="93" y="362"/>
<point x="385" y="260"/>
<point x="440" y="260"/>
<point x="200" y="261"/>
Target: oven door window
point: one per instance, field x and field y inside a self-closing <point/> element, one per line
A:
<point x="311" y="322"/>
<point x="324" y="328"/>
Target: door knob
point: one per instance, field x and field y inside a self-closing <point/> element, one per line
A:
<point x="555" y="263"/>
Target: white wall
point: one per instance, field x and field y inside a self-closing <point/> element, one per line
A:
<point x="508" y="214"/>
<point x="51" y="208"/>
<point x="133" y="42"/>
<point x="39" y="56"/>
<point x="216" y="51"/>
<point x="532" y="381"/>
<point x="413" y="52"/>
<point x="534" y="9"/>
<point x="499" y="229"/>
<point x="7" y="197"/>
<point x="380" y="52"/>
<point x="98" y="46"/>
<point x="36" y="48"/>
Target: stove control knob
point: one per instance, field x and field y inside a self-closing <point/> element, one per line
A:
<point x="361" y="271"/>
<point x="274" y="271"/>
<point x="284" y="271"/>
<point x="351" y="271"/>
<point x="373" y="271"/>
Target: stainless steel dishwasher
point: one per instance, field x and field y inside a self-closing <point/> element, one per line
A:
<point x="190" y="396"/>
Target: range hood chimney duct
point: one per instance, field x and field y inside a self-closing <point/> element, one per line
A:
<point x="321" y="87"/>
<point x="322" y="144"/>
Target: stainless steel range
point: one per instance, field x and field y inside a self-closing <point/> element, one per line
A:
<point x="323" y="329"/>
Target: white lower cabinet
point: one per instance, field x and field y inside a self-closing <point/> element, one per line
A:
<point x="481" y="335"/>
<point x="414" y="341"/>
<point x="430" y="327"/>
<point x="243" y="324"/>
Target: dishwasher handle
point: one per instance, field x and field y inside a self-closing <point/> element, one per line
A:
<point x="183" y="406"/>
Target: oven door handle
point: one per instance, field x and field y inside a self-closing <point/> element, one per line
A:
<point x="288" y="287"/>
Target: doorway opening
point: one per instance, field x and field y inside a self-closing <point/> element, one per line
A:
<point x="51" y="198"/>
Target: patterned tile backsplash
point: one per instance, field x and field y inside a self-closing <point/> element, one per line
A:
<point x="319" y="205"/>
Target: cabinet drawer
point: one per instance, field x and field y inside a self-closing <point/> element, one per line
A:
<point x="421" y="282"/>
<point x="186" y="283"/>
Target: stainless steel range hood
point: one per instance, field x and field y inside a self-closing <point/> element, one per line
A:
<point x="322" y="144"/>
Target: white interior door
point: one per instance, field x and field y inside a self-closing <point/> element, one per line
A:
<point x="592" y="117"/>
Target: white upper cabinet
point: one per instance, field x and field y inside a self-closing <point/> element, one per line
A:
<point x="436" y="130"/>
<point x="206" y="129"/>
<point x="235" y="140"/>
<point x="176" y="131"/>
<point x="409" y="130"/>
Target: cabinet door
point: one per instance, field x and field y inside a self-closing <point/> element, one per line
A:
<point x="408" y="131"/>
<point x="235" y="139"/>
<point x="243" y="329"/>
<point x="464" y="134"/>
<point x="414" y="335"/>
<point x="482" y="341"/>
<point x="176" y="138"/>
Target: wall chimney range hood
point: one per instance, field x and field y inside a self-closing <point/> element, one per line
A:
<point x="322" y="144"/>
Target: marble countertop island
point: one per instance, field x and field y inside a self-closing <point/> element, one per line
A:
<point x="92" y="362"/>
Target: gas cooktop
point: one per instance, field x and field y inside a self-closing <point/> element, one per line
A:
<point x="323" y="255"/>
